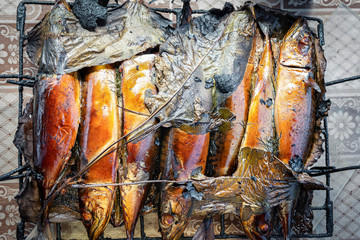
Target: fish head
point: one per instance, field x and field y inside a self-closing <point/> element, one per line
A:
<point x="175" y="212"/>
<point x="96" y="206"/>
<point x="256" y="221"/>
<point x="298" y="46"/>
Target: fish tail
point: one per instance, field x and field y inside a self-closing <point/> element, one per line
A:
<point x="133" y="197"/>
<point x="285" y="214"/>
<point x="205" y="231"/>
<point x="41" y="232"/>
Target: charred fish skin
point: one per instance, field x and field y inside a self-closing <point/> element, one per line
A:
<point x="294" y="103"/>
<point x="99" y="129"/>
<point x="141" y="157"/>
<point x="227" y="143"/>
<point x="57" y="113"/>
<point x="187" y="156"/>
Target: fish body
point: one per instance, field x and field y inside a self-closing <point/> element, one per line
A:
<point x="99" y="129"/>
<point x="260" y="127"/>
<point x="56" y="123"/>
<point x="186" y="155"/>
<point x="294" y="104"/>
<point x="228" y="142"/>
<point x="141" y="156"/>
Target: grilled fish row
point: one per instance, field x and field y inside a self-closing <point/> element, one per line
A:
<point x="276" y="120"/>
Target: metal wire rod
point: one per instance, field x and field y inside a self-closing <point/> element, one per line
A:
<point x="18" y="76"/>
<point x="334" y="170"/>
<point x="25" y="83"/>
<point x="19" y="169"/>
<point x="342" y="80"/>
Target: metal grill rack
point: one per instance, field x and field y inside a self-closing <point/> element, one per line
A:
<point x="28" y="81"/>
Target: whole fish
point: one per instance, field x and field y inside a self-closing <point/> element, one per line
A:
<point x="295" y="103"/>
<point x="99" y="129"/>
<point x="186" y="154"/>
<point x="141" y="156"/>
<point x="56" y="122"/>
<point x="259" y="135"/>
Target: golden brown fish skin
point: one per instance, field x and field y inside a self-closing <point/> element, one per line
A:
<point x="294" y="104"/>
<point x="99" y="129"/>
<point x="57" y="113"/>
<point x="141" y="156"/>
<point x="228" y="143"/>
<point x="188" y="152"/>
<point x="260" y="127"/>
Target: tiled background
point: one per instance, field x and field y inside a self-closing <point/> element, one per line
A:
<point x="342" y="49"/>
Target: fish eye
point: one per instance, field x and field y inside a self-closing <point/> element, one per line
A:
<point x="263" y="228"/>
<point x="262" y="225"/>
<point x="167" y="220"/>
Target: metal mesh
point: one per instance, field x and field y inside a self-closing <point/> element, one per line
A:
<point x="28" y="81"/>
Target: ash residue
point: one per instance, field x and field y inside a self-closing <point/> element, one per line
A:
<point x="91" y="13"/>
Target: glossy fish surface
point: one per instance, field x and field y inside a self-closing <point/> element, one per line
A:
<point x="140" y="160"/>
<point x="99" y="129"/>
<point x="56" y="122"/>
<point x="260" y="128"/>
<point x="294" y="104"/>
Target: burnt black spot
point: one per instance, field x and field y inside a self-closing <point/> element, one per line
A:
<point x="224" y="83"/>
<point x="137" y="67"/>
<point x="269" y="102"/>
<point x="91" y="13"/>
<point x="157" y="141"/>
<point x="197" y="79"/>
<point x="253" y="178"/>
<point x="296" y="164"/>
<point x="209" y="83"/>
<point x="262" y="101"/>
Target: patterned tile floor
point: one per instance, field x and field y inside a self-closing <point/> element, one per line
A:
<point x="342" y="51"/>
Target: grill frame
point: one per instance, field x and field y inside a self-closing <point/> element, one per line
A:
<point x="29" y="81"/>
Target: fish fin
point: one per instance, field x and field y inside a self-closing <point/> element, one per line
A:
<point x="311" y="82"/>
<point x="310" y="183"/>
<point x="205" y="231"/>
<point x="286" y="210"/>
<point x="40" y="233"/>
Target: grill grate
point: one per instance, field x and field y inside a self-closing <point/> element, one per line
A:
<point x="29" y="81"/>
